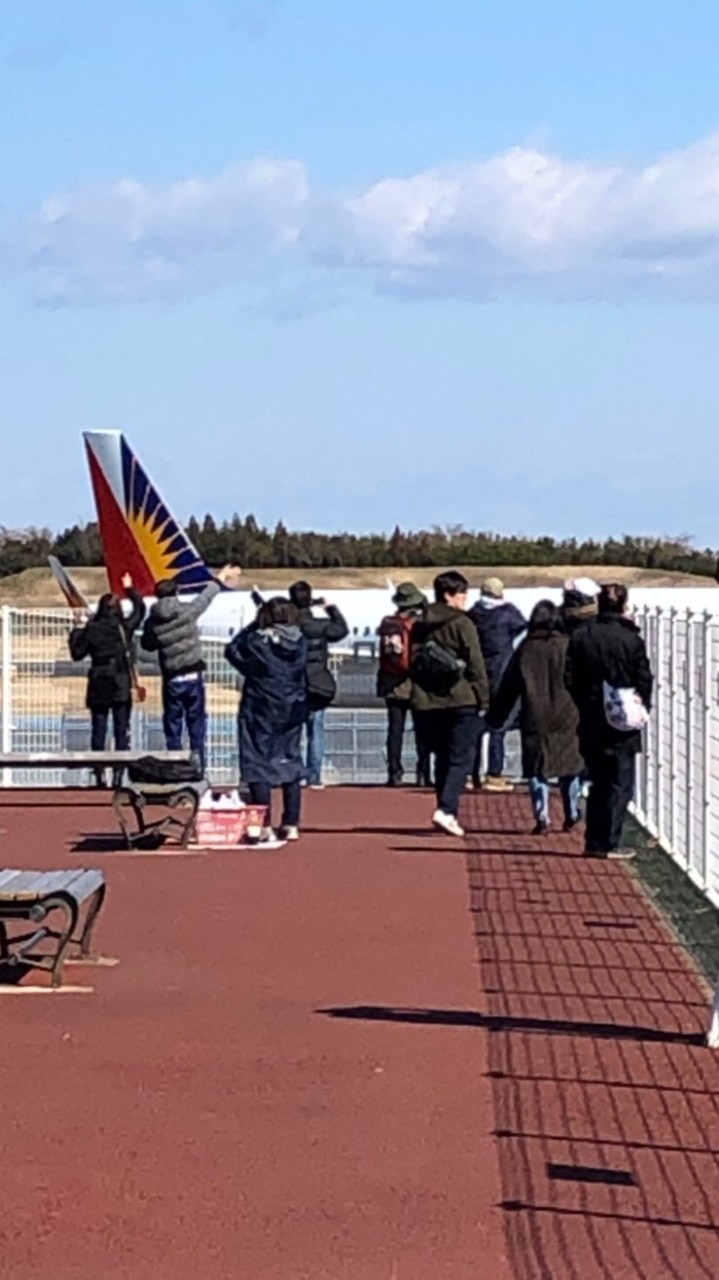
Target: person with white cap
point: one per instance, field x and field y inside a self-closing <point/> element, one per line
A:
<point x="579" y="603"/>
<point x="499" y="625"/>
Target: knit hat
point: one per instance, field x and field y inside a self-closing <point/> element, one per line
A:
<point x="493" y="587"/>
<point x="408" y="596"/>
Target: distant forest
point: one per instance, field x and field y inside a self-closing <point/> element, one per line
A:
<point x="247" y="543"/>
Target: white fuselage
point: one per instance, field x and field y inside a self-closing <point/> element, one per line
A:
<point x="363" y="609"/>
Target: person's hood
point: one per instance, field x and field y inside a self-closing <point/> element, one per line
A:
<point x="285" y="636"/>
<point x="576" y="607"/>
<point x="438" y="614"/>
<point x="487" y="604"/>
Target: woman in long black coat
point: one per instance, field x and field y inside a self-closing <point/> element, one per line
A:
<point x="548" y="717"/>
<point x="106" y="640"/>
<point x="271" y="654"/>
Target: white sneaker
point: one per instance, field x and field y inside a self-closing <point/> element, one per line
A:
<point x="317" y="786"/>
<point x="447" y="822"/>
<point x="289" y="833"/>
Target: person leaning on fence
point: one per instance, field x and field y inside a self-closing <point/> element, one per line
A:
<point x="394" y="682"/>
<point x="172" y="632"/>
<point x="548" y="718"/>
<point x="449" y="692"/>
<point x="106" y="639"/>
<point x="271" y="655"/>
<point x="607" y="667"/>
<point x="321" y="685"/>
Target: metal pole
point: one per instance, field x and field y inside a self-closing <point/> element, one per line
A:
<point x="707" y="746"/>
<point x="689" y="756"/>
<point x="659" y="725"/>
<point x="673" y="729"/>
<point x="6" y="736"/>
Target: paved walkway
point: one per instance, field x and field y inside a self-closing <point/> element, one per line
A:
<point x="299" y="1070"/>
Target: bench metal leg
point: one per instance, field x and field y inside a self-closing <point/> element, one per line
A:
<point x="69" y="907"/>
<point x="187" y="803"/>
<point x="4" y="951"/>
<point x="123" y="800"/>
<point x="93" y="911"/>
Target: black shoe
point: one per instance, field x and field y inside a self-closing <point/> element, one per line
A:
<point x="395" y="780"/>
<point x="541" y="828"/>
<point x="570" y="824"/>
<point x="423" y="781"/>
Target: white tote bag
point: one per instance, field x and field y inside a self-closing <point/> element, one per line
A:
<point x="624" y="709"/>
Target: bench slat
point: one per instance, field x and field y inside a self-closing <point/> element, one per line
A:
<point x="79" y="883"/>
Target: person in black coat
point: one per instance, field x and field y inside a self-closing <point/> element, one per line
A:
<point x="106" y="639"/>
<point x="271" y="654"/>
<point x="499" y="624"/>
<point x="548" y="718"/>
<point x="321" y="685"/>
<point x="607" y="651"/>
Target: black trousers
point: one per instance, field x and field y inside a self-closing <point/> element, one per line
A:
<point x="611" y="773"/>
<point x="261" y="794"/>
<point x="397" y="709"/>
<point x="121" y="712"/>
<point x="452" y="736"/>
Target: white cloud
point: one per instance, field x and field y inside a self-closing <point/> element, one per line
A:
<point x="526" y="222"/>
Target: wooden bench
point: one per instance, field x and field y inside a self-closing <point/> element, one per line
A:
<point x="38" y="896"/>
<point x="182" y="799"/>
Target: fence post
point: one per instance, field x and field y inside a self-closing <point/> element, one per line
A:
<point x="6" y="737"/>
<point x="658" y="660"/>
<point x="673" y="728"/>
<point x="707" y="746"/>
<point x="691" y="782"/>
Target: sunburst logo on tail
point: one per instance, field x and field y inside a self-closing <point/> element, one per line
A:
<point x="140" y="535"/>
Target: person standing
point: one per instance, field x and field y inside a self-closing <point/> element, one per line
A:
<point x="321" y="685"/>
<point x="394" y="682"/>
<point x="271" y="655"/>
<point x="172" y="632"/>
<point x="106" y="639"/>
<point x="605" y="657"/>
<point x="449" y="692"/>
<point x="499" y="624"/>
<point x="579" y="603"/>
<point x="548" y="718"/>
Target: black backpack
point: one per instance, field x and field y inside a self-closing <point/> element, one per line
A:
<point x="435" y="669"/>
<point x="156" y="772"/>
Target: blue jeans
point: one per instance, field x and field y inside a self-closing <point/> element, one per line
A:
<point x="183" y="701"/>
<point x="315" y="729"/>
<point x="495" y="762"/>
<point x="570" y="789"/>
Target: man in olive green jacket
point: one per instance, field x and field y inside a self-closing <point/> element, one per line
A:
<point x="450" y="692"/>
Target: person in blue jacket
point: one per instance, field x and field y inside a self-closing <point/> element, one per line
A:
<point x="271" y="655"/>
<point x="499" y="625"/>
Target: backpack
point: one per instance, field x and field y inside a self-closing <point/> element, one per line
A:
<point x="163" y="772"/>
<point x="435" y="669"/>
<point x="395" y="646"/>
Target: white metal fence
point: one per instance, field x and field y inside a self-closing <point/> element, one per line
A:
<point x="678" y="774"/>
<point x="42" y="706"/>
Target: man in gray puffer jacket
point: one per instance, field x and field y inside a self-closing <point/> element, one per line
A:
<point x="171" y="631"/>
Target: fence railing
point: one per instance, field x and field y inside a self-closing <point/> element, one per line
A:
<point x="42" y="706"/>
<point x="677" y="796"/>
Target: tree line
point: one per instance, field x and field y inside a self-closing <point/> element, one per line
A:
<point x="247" y="543"/>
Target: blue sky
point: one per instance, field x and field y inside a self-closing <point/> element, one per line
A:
<point x="356" y="263"/>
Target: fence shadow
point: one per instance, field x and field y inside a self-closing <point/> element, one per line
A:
<point x="606" y="1100"/>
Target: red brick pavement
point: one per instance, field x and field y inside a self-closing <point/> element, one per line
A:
<point x="299" y="1069"/>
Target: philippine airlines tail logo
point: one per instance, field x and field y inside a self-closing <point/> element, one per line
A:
<point x="139" y="533"/>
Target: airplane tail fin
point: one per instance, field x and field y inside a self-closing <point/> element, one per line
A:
<point x="139" y="533"/>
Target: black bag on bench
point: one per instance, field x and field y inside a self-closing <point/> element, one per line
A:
<point x="156" y="772"/>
